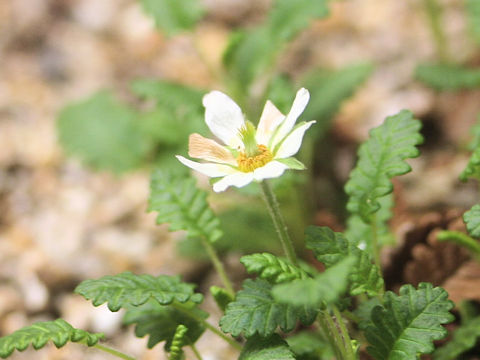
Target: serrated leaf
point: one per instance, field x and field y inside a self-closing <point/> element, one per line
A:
<point x="381" y="158"/>
<point x="325" y="288"/>
<point x="406" y="325"/>
<point x="472" y="170"/>
<point x="448" y="77"/>
<point x="221" y="296"/>
<point x="103" y="133"/>
<point x="473" y="16"/>
<point x="270" y="348"/>
<point x="329" y="88"/>
<point x="173" y="16"/>
<point x="250" y="53"/>
<point x="464" y="338"/>
<point x="254" y="311"/>
<point x="472" y="221"/>
<point x="160" y="322"/>
<point x="180" y="203"/>
<point x="127" y="289"/>
<point x="272" y="268"/>
<point x="330" y="248"/>
<point x="364" y="311"/>
<point x="39" y="334"/>
<point x="308" y="346"/>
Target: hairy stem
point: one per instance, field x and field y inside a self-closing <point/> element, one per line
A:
<point x="344" y="333"/>
<point x="217" y="264"/>
<point x="207" y="325"/>
<point x="113" y="352"/>
<point x="335" y="339"/>
<point x="376" y="247"/>
<point x="278" y="221"/>
<point x="434" y="13"/>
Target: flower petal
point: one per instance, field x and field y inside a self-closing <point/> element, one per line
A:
<point x="293" y="141"/>
<point x="223" y="117"/>
<point x="269" y="121"/>
<point x="238" y="179"/>
<point x="299" y="104"/>
<point x="209" y="169"/>
<point x="207" y="149"/>
<point x="272" y="169"/>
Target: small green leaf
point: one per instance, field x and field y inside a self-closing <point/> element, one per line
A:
<point x="406" y="325"/>
<point x="161" y="322"/>
<point x="364" y="312"/>
<point x="472" y="221"/>
<point x="464" y="338"/>
<point x="179" y="202"/>
<point x="330" y="248"/>
<point x="308" y="346"/>
<point x="381" y="158"/>
<point x="329" y="88"/>
<point x="173" y="16"/>
<point x="221" y="296"/>
<point x="127" y="289"/>
<point x="473" y="14"/>
<point x="104" y="133"/>
<point x="272" y="268"/>
<point x="270" y="348"/>
<point x="254" y="311"/>
<point x="326" y="288"/>
<point x="447" y="77"/>
<point x="38" y="334"/>
<point x="292" y="163"/>
<point x="472" y="170"/>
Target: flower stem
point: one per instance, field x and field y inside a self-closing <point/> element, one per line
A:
<point x="278" y="221"/>
<point x="207" y="325"/>
<point x="196" y="352"/>
<point x="113" y="352"/>
<point x="217" y="264"/>
<point x="434" y="13"/>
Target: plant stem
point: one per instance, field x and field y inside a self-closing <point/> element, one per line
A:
<point x="344" y="332"/>
<point x="376" y="247"/>
<point x="278" y="222"/>
<point x="217" y="264"/>
<point x="337" y="340"/>
<point x="196" y="352"/>
<point x="207" y="325"/>
<point x="434" y="13"/>
<point x="113" y="352"/>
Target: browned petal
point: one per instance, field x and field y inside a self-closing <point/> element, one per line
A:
<point x="207" y="149"/>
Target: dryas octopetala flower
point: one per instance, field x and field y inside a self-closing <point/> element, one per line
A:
<point x="249" y="154"/>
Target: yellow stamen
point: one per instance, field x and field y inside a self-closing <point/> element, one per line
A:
<point x="250" y="163"/>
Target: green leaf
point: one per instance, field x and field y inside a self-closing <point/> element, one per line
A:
<point x="254" y="311"/>
<point x="179" y="202"/>
<point x="330" y="248"/>
<point x="39" y="334"/>
<point x="464" y="338"/>
<point x="127" y="289"/>
<point x="329" y="88"/>
<point x="103" y="133"/>
<point x="272" y="268"/>
<point x="381" y="158"/>
<point x="472" y="170"/>
<point x="407" y="324"/>
<point x="281" y="92"/>
<point x="250" y="53"/>
<point x="472" y="221"/>
<point x="161" y="322"/>
<point x="448" y="77"/>
<point x="221" y="296"/>
<point x="364" y="312"/>
<point x="173" y="16"/>
<point x="308" y="346"/>
<point x="292" y="163"/>
<point x="326" y="288"/>
<point x="473" y="14"/>
<point x="270" y="348"/>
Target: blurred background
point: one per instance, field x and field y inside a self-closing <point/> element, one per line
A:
<point x="95" y="94"/>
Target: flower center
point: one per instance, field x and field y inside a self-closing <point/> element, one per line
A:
<point x="250" y="163"/>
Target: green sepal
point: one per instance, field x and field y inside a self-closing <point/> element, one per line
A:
<point x="292" y="163"/>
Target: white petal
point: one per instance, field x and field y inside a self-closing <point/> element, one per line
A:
<point x="293" y="141"/>
<point x="238" y="179"/>
<point x="209" y="169"/>
<point x="208" y="149"/>
<point x="299" y="104"/>
<point x="272" y="169"/>
<point x="223" y="117"/>
<point x="269" y="121"/>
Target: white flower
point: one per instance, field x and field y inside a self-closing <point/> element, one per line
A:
<point x="249" y="154"/>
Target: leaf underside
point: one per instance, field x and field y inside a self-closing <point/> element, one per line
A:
<point x="127" y="289"/>
<point x="178" y="201"/>
<point x="407" y="324"/>
<point x="59" y="332"/>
